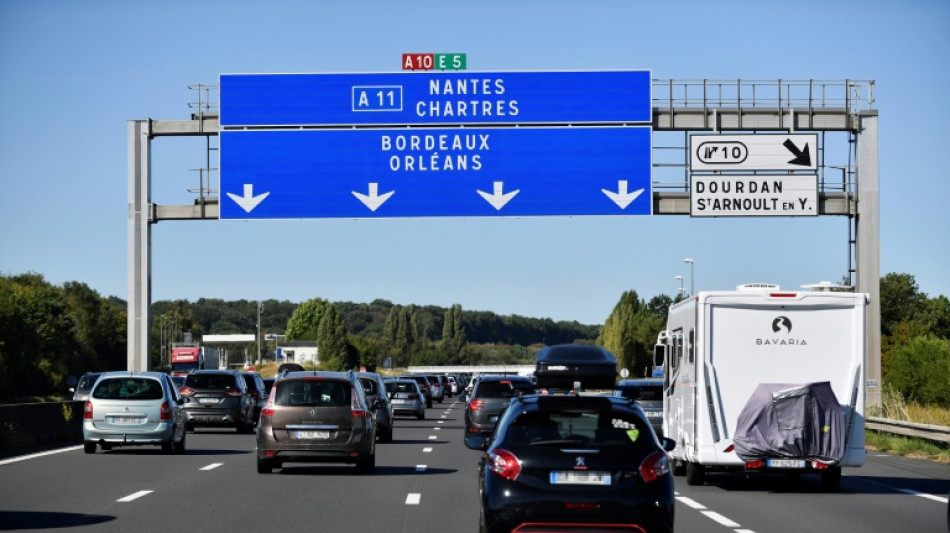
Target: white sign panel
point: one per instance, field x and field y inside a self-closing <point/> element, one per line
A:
<point x="754" y="152"/>
<point x="713" y="195"/>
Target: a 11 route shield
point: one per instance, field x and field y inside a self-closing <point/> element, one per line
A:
<point x="435" y="172"/>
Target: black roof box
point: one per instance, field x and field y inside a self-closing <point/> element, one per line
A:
<point x="563" y="365"/>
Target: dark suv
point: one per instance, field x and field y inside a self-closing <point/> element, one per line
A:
<point x="317" y="417"/>
<point x="490" y="397"/>
<point x="218" y="398"/>
<point x="255" y="385"/>
<point x="375" y="389"/>
<point x="648" y="393"/>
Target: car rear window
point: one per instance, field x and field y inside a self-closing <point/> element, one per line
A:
<point x="503" y="389"/>
<point x="398" y="386"/>
<point x="128" y="388"/>
<point x="209" y="381"/>
<point x="313" y="393"/>
<point x="608" y="428"/>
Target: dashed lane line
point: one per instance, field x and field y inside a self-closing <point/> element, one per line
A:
<point x="134" y="496"/>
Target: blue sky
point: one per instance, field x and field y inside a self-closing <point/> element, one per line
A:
<point x="73" y="73"/>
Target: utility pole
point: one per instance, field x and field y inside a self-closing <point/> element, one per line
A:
<point x="260" y="306"/>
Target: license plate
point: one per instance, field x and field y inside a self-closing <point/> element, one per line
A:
<point x="308" y="434"/>
<point x="123" y="420"/>
<point x="786" y="463"/>
<point x="573" y="477"/>
<point x="397" y="400"/>
<point x="208" y="400"/>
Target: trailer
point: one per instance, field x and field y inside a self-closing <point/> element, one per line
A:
<point x="764" y="380"/>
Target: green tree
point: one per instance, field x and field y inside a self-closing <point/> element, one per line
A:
<point x="331" y="341"/>
<point x="631" y="329"/>
<point x="453" y="335"/>
<point x="900" y="301"/>
<point x="304" y="324"/>
<point x="920" y="369"/>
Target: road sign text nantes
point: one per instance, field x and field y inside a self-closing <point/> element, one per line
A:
<point x="436" y="98"/>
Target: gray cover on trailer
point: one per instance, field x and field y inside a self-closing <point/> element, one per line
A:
<point x="791" y="421"/>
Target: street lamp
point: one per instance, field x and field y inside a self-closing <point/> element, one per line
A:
<point x="691" y="277"/>
<point x="680" y="278"/>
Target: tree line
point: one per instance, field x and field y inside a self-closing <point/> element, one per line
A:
<point x="48" y="333"/>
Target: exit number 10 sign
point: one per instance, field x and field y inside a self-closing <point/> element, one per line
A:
<point x="433" y="61"/>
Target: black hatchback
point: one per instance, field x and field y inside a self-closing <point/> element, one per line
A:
<point x="568" y="462"/>
<point x="490" y="397"/>
<point x="218" y="398"/>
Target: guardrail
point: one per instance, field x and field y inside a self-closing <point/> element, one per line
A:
<point x="909" y="429"/>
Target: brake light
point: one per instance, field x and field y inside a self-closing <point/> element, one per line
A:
<point x="504" y="463"/>
<point x="268" y="410"/>
<point x="656" y="465"/>
<point x="476" y="404"/>
<point x="166" y="411"/>
<point x="186" y="391"/>
<point x="754" y="465"/>
<point x="234" y="392"/>
<point x="782" y="295"/>
<point x="818" y="465"/>
<point x="87" y="411"/>
<point x="356" y="406"/>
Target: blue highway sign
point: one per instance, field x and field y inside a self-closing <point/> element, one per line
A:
<point x="435" y="172"/>
<point x="436" y="98"/>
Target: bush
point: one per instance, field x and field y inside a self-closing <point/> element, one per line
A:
<point x="920" y="370"/>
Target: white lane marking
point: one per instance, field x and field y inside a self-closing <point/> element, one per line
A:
<point x="212" y="466"/>
<point x="716" y="517"/>
<point x="421" y="468"/>
<point x="413" y="498"/>
<point x="923" y="495"/>
<point x="436" y="428"/>
<point x="691" y="502"/>
<point x="441" y="422"/>
<point x="38" y="454"/>
<point x="427" y="449"/>
<point x="135" y="496"/>
<point x="432" y="437"/>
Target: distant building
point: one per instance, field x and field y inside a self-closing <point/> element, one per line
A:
<point x="300" y="352"/>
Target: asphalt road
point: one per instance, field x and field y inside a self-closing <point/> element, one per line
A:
<point x="425" y="481"/>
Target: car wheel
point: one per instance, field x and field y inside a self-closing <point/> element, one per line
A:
<point x="89" y="447"/>
<point x="190" y="426"/>
<point x="264" y="466"/>
<point x="679" y="468"/>
<point x="831" y="479"/>
<point x="695" y="474"/>
<point x="421" y="415"/>
<point x="180" y="445"/>
<point x="367" y="465"/>
<point x="168" y="447"/>
<point x="486" y="524"/>
<point x="387" y="436"/>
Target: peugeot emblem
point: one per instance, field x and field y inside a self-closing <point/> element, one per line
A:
<point x="313" y="412"/>
<point x="579" y="461"/>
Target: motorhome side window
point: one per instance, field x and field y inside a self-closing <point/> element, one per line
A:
<point x="677" y="349"/>
<point x="692" y="346"/>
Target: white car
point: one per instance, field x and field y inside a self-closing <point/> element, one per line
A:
<point x="134" y="409"/>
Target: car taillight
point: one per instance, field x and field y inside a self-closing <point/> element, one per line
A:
<point x="268" y="410"/>
<point x="656" y="464"/>
<point x="234" y="392"/>
<point x="166" y="411"/>
<point x="755" y="465"/>
<point x="356" y="406"/>
<point x="413" y="396"/>
<point x="476" y="404"/>
<point x="256" y="395"/>
<point x="504" y="463"/>
<point x="186" y="391"/>
<point x="87" y="411"/>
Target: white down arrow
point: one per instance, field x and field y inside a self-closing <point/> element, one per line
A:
<point x="373" y="200"/>
<point x="248" y="202"/>
<point x="622" y="198"/>
<point x="498" y="199"/>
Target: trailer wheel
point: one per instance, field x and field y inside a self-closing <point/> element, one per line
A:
<point x="831" y="479"/>
<point x="695" y="474"/>
<point x="679" y="468"/>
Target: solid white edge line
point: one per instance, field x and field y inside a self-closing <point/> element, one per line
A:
<point x="923" y="495"/>
<point x="135" y="496"/>
<point x="691" y="502"/>
<point x="38" y="454"/>
<point x="413" y="498"/>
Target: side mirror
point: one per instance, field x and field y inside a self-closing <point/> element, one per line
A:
<point x="476" y="441"/>
<point x="659" y="355"/>
<point x="377" y="404"/>
<point x="668" y="444"/>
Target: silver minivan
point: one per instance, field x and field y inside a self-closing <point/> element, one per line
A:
<point x="134" y="409"/>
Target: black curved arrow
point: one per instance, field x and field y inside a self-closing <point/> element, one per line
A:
<point x="801" y="156"/>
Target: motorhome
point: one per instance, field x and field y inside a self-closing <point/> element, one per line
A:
<point x="749" y="376"/>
